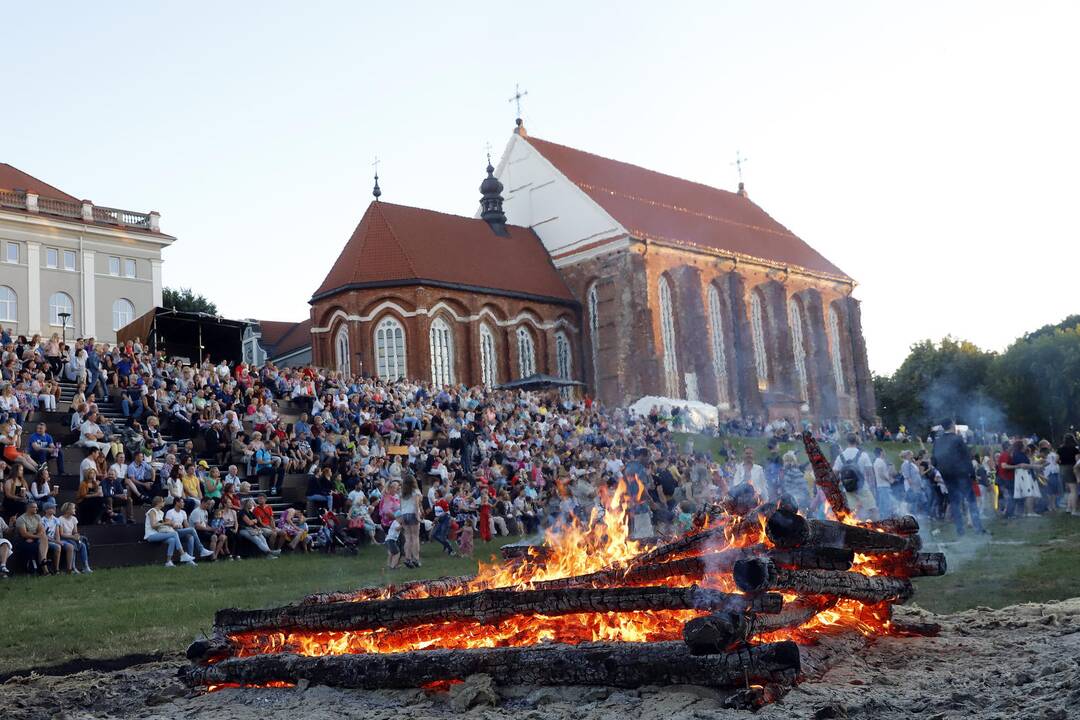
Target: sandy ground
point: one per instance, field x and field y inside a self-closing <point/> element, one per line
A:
<point x="1018" y="662"/>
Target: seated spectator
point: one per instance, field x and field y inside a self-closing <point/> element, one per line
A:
<point x="42" y="448"/>
<point x="200" y="521"/>
<point x="5" y="548"/>
<point x="177" y="517"/>
<point x="120" y="504"/>
<point x="140" y="479"/>
<point x="320" y="486"/>
<point x="31" y="543"/>
<point x="52" y="536"/>
<point x="16" y="491"/>
<point x="11" y="441"/>
<point x="292" y="524"/>
<point x="253" y="531"/>
<point x="70" y="537"/>
<point x="192" y="487"/>
<point x="91" y="434"/>
<point x="43" y="491"/>
<point x="91" y="498"/>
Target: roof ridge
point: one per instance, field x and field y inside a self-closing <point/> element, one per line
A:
<point x="447" y="214"/>
<point x="397" y="240"/>
<point x="34" y="177"/>
<point x="633" y="165"/>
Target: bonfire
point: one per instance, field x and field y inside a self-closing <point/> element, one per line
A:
<point x="751" y="600"/>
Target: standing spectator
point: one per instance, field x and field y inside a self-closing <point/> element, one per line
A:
<point x="953" y="460"/>
<point x="883" y="484"/>
<point x="1067" y="457"/>
<point x="793" y="482"/>
<point x="750" y="472"/>
<point x="1006" y="480"/>
<point x="1025" y="487"/>
<point x="410" y="520"/>
<point x="856" y="471"/>
<point x="393" y="547"/>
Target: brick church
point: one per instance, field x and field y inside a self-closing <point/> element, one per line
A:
<point x="633" y="282"/>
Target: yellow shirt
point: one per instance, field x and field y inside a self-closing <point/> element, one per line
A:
<point x="191" y="486"/>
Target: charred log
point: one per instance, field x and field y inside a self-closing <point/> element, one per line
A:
<point x="902" y="525"/>
<point x="911" y="628"/>
<point x="914" y="565"/>
<point x="793" y="614"/>
<point x="718" y="632"/>
<point x="813" y="558"/>
<point x="787" y="530"/>
<point x="825" y="477"/>
<point x="625" y="665"/>
<point x="486" y="606"/>
<point x="758" y="575"/>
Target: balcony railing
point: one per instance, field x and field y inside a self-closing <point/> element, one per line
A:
<point x="84" y="211"/>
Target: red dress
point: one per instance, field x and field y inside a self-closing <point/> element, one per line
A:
<point x="485" y="518"/>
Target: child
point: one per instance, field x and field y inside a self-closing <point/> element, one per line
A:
<point x="684" y="520"/>
<point x="393" y="548"/>
<point x="217" y="522"/>
<point x="465" y="538"/>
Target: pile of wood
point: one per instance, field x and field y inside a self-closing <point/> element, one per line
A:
<point x="764" y="550"/>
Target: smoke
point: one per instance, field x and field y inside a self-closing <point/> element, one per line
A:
<point x="947" y="397"/>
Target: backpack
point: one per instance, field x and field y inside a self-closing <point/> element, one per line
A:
<point x="851" y="475"/>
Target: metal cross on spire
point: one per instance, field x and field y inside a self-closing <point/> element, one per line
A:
<point x="739" y="162"/>
<point x="516" y="99"/>
<point x="487" y="149"/>
<point x="377" y="191"/>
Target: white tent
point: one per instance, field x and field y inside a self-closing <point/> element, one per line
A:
<point x="697" y="416"/>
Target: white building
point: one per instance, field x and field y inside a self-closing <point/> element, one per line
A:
<point x="58" y="255"/>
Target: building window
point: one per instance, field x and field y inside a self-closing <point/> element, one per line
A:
<point x="719" y="357"/>
<point x="61" y="303"/>
<point x="593" y="302"/>
<point x="12" y="255"/>
<point x="667" y="338"/>
<point x="442" y="353"/>
<point x="798" y="347"/>
<point x="489" y="368"/>
<point x="341" y="351"/>
<point x="129" y="268"/>
<point x="757" y="328"/>
<point x="526" y="353"/>
<point x="123" y="312"/>
<point x="390" y="349"/>
<point x="69" y="259"/>
<point x="52" y="257"/>
<point x="114" y="266"/>
<point x="9" y="304"/>
<point x="837" y="356"/>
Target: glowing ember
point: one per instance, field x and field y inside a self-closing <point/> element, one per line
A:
<point x="270" y="684"/>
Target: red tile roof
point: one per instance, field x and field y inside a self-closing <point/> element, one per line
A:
<point x="12" y="178"/>
<point x="661" y="207"/>
<point x="397" y="243"/>
<point x="280" y="338"/>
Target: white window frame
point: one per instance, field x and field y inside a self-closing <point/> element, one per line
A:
<point x="719" y="356"/>
<point x="757" y="329"/>
<point x="55" y="261"/>
<point x="121" y="315"/>
<point x="342" y="352"/>
<point x="593" y="303"/>
<point x="114" y="266"/>
<point x="489" y="363"/>
<point x="130" y="263"/>
<point x="441" y="341"/>
<point x="70" y="255"/>
<point x="837" y="354"/>
<point x="798" y="347"/>
<point x="526" y="353"/>
<point x="54" y="310"/>
<point x="390" y="350"/>
<point x="667" y="338"/>
<point x="9" y="304"/>
<point x="7" y="253"/>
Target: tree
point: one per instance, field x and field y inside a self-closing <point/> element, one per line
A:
<point x="185" y="299"/>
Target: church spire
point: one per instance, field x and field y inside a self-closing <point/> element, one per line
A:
<point x="376" y="191"/>
<point x="491" y="202"/>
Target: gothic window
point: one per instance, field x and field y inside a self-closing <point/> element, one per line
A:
<point x="716" y="325"/>
<point x="593" y="304"/>
<point x="757" y="328"/>
<point x="489" y="369"/>
<point x="563" y="357"/>
<point x="442" y="353"/>
<point x="797" y="345"/>
<point x="667" y="337"/>
<point x="526" y="353"/>
<point x="390" y="349"/>
<point x="837" y="357"/>
<point x="341" y="351"/>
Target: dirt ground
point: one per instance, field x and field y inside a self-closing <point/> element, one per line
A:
<point x="1018" y="662"/>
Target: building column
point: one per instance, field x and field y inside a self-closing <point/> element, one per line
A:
<point x="155" y="277"/>
<point x="89" y="295"/>
<point x="33" y="288"/>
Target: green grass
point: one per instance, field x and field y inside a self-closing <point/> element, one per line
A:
<point x="704" y="443"/>
<point x="151" y="609"/>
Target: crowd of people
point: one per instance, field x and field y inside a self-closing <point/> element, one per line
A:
<point x="205" y="447"/>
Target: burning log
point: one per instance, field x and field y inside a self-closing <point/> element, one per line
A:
<point x="913" y="565"/>
<point x="913" y="628"/>
<point x="486" y="606"/>
<point x="759" y="575"/>
<point x="825" y="477"/>
<point x="902" y="525"/>
<point x="787" y="529"/>
<point x="724" y="630"/>
<point x="626" y="665"/>
<point x="813" y="558"/>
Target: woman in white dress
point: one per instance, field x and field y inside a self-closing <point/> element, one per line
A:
<point x="1025" y="486"/>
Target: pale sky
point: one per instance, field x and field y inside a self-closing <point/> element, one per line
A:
<point x="930" y="150"/>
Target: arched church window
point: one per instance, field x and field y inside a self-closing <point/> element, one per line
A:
<point x="341" y="351"/>
<point x="837" y="355"/>
<point x="489" y="368"/>
<point x="798" y="347"/>
<point x="390" y="349"/>
<point x="719" y="357"/>
<point x="593" y="306"/>
<point x="757" y="329"/>
<point x="667" y="337"/>
<point x="526" y="353"/>
<point x="442" y="353"/>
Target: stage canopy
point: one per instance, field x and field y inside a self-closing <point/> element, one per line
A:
<point x="190" y="335"/>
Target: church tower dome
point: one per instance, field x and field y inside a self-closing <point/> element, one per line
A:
<point x="491" y="202"/>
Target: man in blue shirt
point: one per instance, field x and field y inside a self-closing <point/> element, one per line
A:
<point x="42" y="447"/>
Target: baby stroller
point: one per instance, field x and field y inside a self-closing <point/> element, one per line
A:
<point x="332" y="536"/>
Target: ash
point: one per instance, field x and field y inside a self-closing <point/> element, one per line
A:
<point x="1020" y="661"/>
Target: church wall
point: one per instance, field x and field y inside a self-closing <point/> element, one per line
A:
<point x="416" y="308"/>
